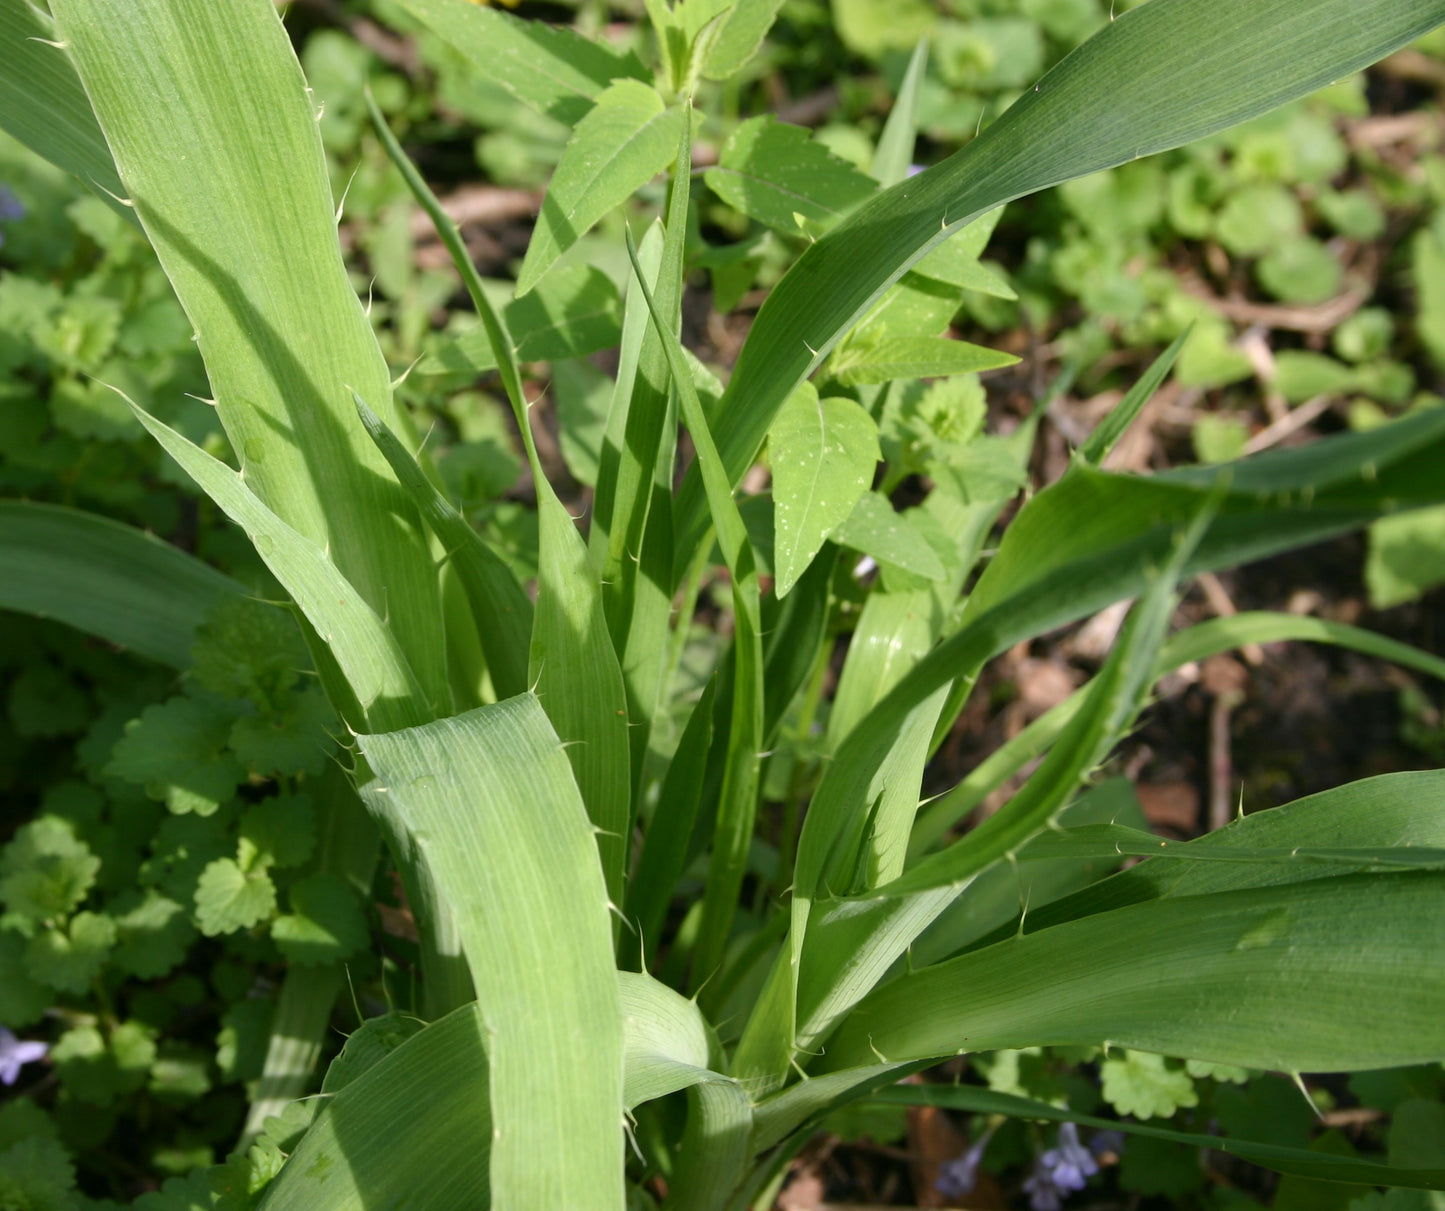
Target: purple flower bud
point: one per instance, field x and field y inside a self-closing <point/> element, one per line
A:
<point x="1106" y="1141"/>
<point x="1060" y="1171"/>
<point x="11" y="207"/>
<point x="957" y="1177"/>
<point x="15" y="1053"/>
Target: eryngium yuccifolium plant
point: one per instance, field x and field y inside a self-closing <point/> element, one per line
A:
<point x="674" y="900"/>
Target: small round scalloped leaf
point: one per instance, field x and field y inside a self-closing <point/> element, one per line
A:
<point x="23" y="1000"/>
<point x="178" y="750"/>
<point x="281" y="830"/>
<point x="325" y="924"/>
<point x="155" y="935"/>
<point x="36" y="1172"/>
<point x="96" y="1071"/>
<point x="46" y="871"/>
<point x="1142" y="1084"/>
<point x="228" y="898"/>
<point x="70" y="959"/>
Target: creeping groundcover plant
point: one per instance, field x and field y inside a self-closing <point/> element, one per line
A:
<point x="634" y="986"/>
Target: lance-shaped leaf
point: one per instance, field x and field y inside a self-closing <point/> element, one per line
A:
<point x="213" y="131"/>
<point x="625" y="140"/>
<point x="882" y="361"/>
<point x="1324" y="975"/>
<point x="43" y="104"/>
<point x="1163" y="74"/>
<point x="823" y="452"/>
<point x="106" y="579"/>
<point x="554" y="70"/>
<point x="490" y="800"/>
<point x="744" y="25"/>
<point x="776" y="173"/>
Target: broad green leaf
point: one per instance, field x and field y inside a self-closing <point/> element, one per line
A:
<point x="625" y="140"/>
<point x="894" y="357"/>
<point x="393" y="1111"/>
<point x="571" y="662"/>
<point x="554" y="70"/>
<point x="775" y="173"/>
<point x="43" y="104"/>
<point x="572" y="312"/>
<point x="536" y="931"/>
<point x="823" y="453"/>
<point x="378" y="1137"/>
<point x="106" y="579"/>
<point x="221" y="155"/>
<point x="1304" y="1162"/>
<point x="1163" y="74"/>
<point x="1328" y="974"/>
<point x="325" y="924"/>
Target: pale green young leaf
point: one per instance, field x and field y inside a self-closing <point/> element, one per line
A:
<point x="1326" y="974"/>
<point x="873" y="527"/>
<point x="774" y="172"/>
<point x="1142" y="1084"/>
<point x="1163" y="74"/>
<point x="738" y="35"/>
<point x="221" y="154"/>
<point x="823" y="453"/>
<point x="625" y="140"/>
<point x="885" y="359"/>
<point x="572" y="312"/>
<point x="43" y="104"/>
<point x="536" y="932"/>
<point x="106" y="579"/>
<point x="894" y="155"/>
<point x="554" y="70"/>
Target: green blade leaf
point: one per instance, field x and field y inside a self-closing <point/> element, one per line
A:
<point x="1162" y="75"/>
<point x="774" y="172"/>
<point x="875" y="529"/>
<point x="823" y="453"/>
<point x="738" y="36"/>
<point x="106" y="579"/>
<point x="554" y="70"/>
<point x="43" y="104"/>
<point x="500" y="606"/>
<point x="1303" y="1162"/>
<point x="625" y="140"/>
<point x="572" y="312"/>
<point x="536" y="932"/>
<point x="212" y="128"/>
<point x="369" y="656"/>
<point x="1329" y="974"/>
<point x="1122" y="415"/>
<point x="1195" y="644"/>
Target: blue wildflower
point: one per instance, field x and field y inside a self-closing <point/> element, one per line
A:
<point x="11" y="207"/>
<point x="957" y="1177"/>
<point x="16" y="1053"/>
<point x="1060" y="1171"/>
